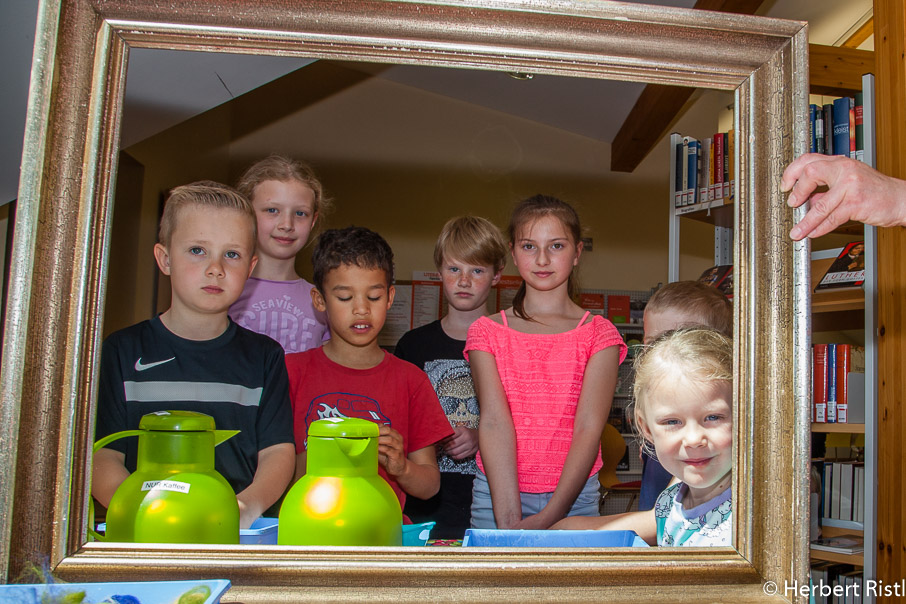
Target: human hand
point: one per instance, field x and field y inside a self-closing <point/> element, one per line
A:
<point x="854" y="191"/>
<point x="247" y="514"/>
<point x="463" y="443"/>
<point x="535" y="522"/>
<point x="390" y="451"/>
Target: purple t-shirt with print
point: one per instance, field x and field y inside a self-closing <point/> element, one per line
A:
<point x="283" y="311"/>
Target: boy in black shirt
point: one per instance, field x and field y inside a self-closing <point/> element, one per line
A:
<point x="470" y="254"/>
<point x="193" y="357"/>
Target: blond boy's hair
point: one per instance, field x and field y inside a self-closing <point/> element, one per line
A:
<point x="206" y="194"/>
<point x="704" y="304"/>
<point x="473" y="240"/>
<point x="699" y="354"/>
<point x="284" y="169"/>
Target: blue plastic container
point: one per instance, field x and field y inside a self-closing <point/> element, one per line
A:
<point x="262" y="532"/>
<point x="147" y="592"/>
<point x="515" y="538"/>
<point x="417" y="534"/>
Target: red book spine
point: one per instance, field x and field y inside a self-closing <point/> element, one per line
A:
<point x="819" y="383"/>
<point x="717" y="149"/>
<point x="844" y="364"/>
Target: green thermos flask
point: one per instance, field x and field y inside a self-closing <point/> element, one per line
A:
<point x="175" y="495"/>
<point x="341" y="500"/>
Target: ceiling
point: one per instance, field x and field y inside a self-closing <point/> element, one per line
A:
<point x="165" y="88"/>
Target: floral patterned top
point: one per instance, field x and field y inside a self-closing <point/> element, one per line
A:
<point x="707" y="525"/>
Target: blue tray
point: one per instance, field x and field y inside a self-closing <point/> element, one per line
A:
<point x="146" y="592"/>
<point x="262" y="532"/>
<point x="515" y="538"/>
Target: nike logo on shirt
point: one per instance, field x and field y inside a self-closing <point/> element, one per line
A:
<point x="142" y="367"/>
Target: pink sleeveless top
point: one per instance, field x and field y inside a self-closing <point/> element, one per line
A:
<point x="542" y="377"/>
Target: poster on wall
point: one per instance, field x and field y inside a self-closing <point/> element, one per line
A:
<point x="399" y="317"/>
<point x="427" y="297"/>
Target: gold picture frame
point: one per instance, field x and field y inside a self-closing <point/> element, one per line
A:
<point x="61" y="240"/>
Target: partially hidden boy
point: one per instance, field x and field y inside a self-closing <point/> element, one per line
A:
<point x="351" y="376"/>
<point x="193" y="357"/>
<point x="470" y="254"/>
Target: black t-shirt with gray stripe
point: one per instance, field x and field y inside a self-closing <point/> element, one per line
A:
<point x="238" y="378"/>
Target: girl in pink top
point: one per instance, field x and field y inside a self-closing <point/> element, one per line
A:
<point x="544" y="375"/>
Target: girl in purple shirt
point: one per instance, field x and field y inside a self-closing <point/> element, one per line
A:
<point x="288" y="199"/>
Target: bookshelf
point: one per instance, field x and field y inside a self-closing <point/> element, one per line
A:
<point x="853" y="310"/>
<point x="710" y="206"/>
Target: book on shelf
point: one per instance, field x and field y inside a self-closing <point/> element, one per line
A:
<point x="819" y="383"/>
<point x="859" y="130"/>
<point x="843" y="493"/>
<point x="721" y="277"/>
<point x="704" y="170"/>
<point x="828" y="109"/>
<point x="618" y="310"/>
<point x="831" y="383"/>
<point x="838" y="392"/>
<point x="706" y="173"/>
<point x="844" y="544"/>
<point x="837" y="128"/>
<point x="847" y="270"/>
<point x="841" y="126"/>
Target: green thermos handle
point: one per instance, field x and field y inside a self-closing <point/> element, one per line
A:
<point x="98" y="445"/>
<point x="116" y="436"/>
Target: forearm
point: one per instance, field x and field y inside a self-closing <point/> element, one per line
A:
<point x="420" y="480"/>
<point x="643" y="524"/>
<point x="275" y="470"/>
<point x="582" y="454"/>
<point x="108" y="471"/>
<point x="497" y="443"/>
<point x="496" y="440"/>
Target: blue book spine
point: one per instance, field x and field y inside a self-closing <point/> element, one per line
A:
<point x="812" y="118"/>
<point x="691" y="170"/>
<point x="831" y="383"/>
<point x="678" y="181"/>
<point x="841" y="126"/>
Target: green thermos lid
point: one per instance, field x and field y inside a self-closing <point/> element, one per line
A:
<point x="177" y="421"/>
<point x="343" y="427"/>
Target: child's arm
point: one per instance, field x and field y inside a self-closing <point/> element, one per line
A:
<point x="598" y="383"/>
<point x="108" y="471"/>
<point x="275" y="469"/>
<point x="643" y="523"/>
<point x="300" y="465"/>
<point x="497" y="440"/>
<point x="416" y="473"/>
<point x="463" y="443"/>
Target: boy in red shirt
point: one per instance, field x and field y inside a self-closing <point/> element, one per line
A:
<point x="351" y="376"/>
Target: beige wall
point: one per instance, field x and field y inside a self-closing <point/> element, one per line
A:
<point x="402" y="161"/>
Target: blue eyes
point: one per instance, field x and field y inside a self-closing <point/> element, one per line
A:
<point x="200" y="251"/>
<point x="299" y="213"/>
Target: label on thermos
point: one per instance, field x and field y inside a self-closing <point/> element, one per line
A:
<point x="166" y="485"/>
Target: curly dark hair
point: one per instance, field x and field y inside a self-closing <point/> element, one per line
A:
<point x="352" y="246"/>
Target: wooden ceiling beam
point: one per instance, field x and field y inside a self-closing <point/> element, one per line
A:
<point x="658" y="106"/>
<point x="836" y="70"/>
<point x="860" y="35"/>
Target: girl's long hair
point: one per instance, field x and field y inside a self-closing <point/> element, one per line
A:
<point x="530" y="210"/>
